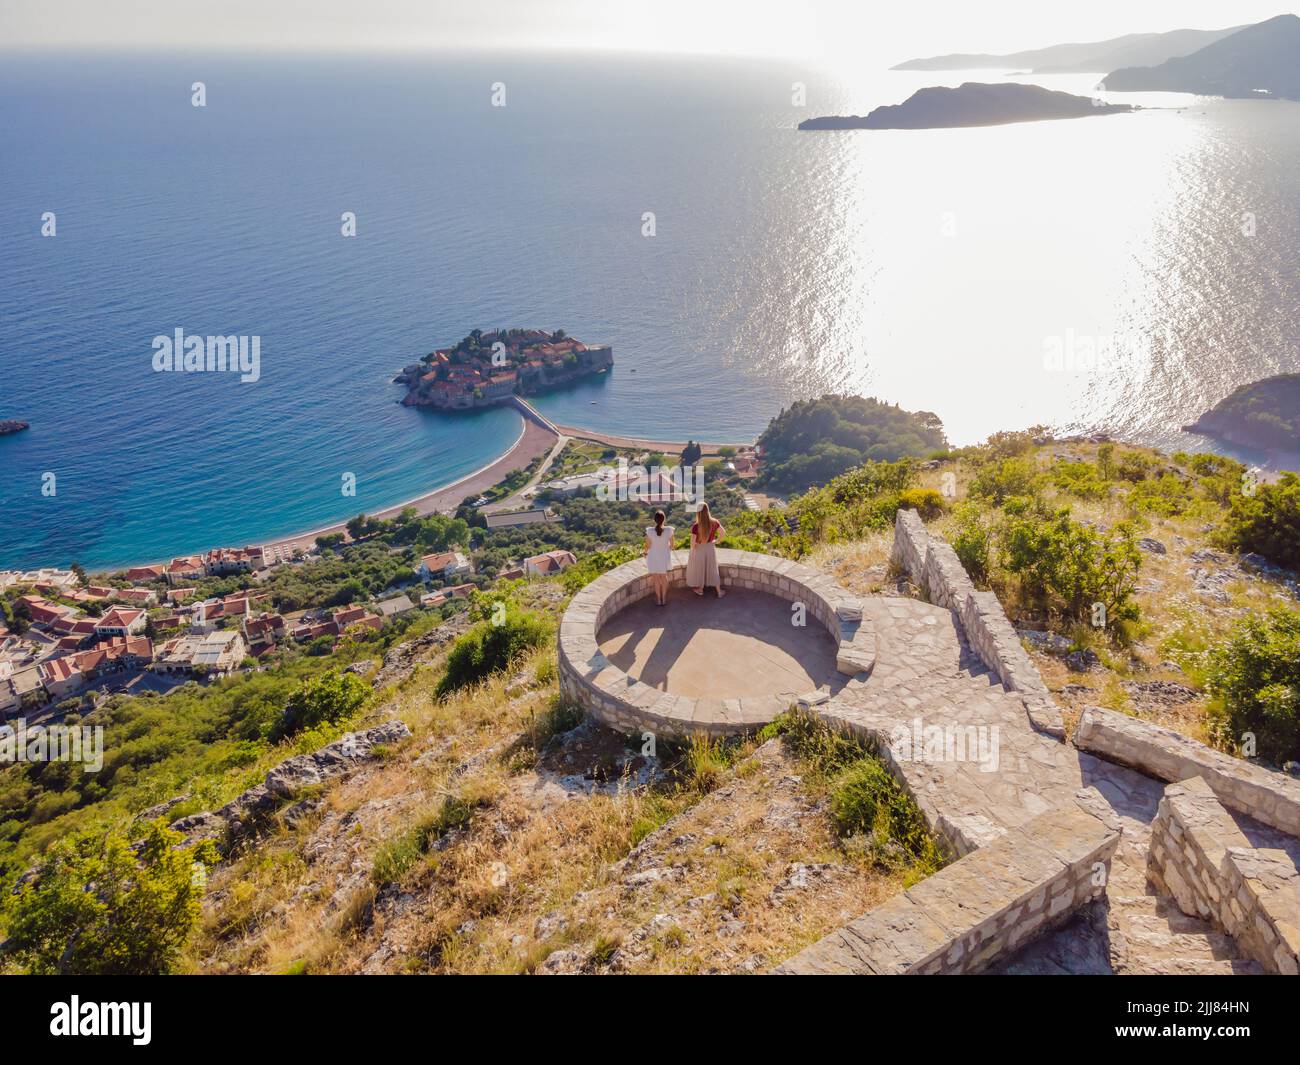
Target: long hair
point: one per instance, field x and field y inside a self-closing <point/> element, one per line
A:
<point x="704" y="520"/>
<point x="660" y="518"/>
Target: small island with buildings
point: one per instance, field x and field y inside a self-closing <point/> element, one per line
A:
<point x="488" y="368"/>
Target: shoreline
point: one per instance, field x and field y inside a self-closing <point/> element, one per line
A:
<point x="533" y="440"/>
<point x="537" y="437"/>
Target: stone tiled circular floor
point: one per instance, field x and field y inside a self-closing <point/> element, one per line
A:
<point x="743" y="644"/>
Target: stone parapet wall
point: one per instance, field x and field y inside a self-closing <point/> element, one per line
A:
<point x="911" y="544"/>
<point x="935" y="568"/>
<point x="991" y="636"/>
<point x="1201" y="858"/>
<point x="943" y="577"/>
<point x="626" y="704"/>
<point x="1270" y="798"/>
<point x="981" y="908"/>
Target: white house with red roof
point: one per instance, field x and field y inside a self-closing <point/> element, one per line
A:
<point x="121" y="621"/>
<point x="189" y="568"/>
<point x="549" y="563"/>
<point x="444" y="565"/>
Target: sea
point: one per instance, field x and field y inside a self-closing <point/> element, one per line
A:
<point x="1115" y="273"/>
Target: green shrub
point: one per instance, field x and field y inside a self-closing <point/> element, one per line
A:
<point x="591" y="566"/>
<point x="925" y="501"/>
<point x="1003" y="479"/>
<point x="862" y="500"/>
<point x="868" y="806"/>
<point x="489" y="648"/>
<point x="1255" y="681"/>
<point x="96" y="906"/>
<point x="1067" y="566"/>
<point x="1167" y="494"/>
<point x="1080" y="479"/>
<point x="867" y="801"/>
<point x="1134" y="467"/>
<point x="973" y="541"/>
<point x="327" y="699"/>
<point x="1267" y="521"/>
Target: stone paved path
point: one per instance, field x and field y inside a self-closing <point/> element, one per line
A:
<point x="924" y="669"/>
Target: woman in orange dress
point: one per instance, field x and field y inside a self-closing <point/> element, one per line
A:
<point x="702" y="563"/>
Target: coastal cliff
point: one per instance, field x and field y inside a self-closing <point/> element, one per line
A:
<point x="488" y="368"/>
<point x="1131" y="50"/>
<point x="1261" y="61"/>
<point x="971" y="104"/>
<point x="1264" y="415"/>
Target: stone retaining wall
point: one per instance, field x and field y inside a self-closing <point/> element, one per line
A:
<point x="1268" y="797"/>
<point x="934" y="567"/>
<point x="979" y="909"/>
<point x="1202" y="858"/>
<point x="626" y="704"/>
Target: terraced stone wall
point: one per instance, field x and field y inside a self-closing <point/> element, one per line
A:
<point x="933" y="566"/>
<point x="1202" y="858"/>
<point x="979" y="909"/>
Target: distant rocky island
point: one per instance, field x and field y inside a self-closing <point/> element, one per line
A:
<point x="971" y="104"/>
<point x="1264" y="415"/>
<point x="488" y="368"/>
<point x="12" y="426"/>
<point x="1258" y="61"/>
<point x="1131" y="50"/>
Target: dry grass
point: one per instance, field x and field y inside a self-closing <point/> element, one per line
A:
<point x="381" y="877"/>
<point x="1179" y="623"/>
<point x="463" y="851"/>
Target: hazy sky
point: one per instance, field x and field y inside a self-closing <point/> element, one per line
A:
<point x="836" y="30"/>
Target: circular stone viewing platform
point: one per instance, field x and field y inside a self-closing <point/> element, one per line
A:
<point x="783" y="634"/>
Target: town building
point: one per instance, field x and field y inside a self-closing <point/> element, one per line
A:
<point x="182" y="570"/>
<point x="551" y="562"/>
<point x="509" y="519"/>
<point x="121" y="621"/>
<point x="443" y="566"/>
<point x="209" y="654"/>
<point x="394" y="607"/>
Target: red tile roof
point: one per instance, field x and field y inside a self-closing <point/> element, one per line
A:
<point x="119" y="617"/>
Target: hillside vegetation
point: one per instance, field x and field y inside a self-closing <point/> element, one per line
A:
<point x="508" y="834"/>
<point x="818" y="439"/>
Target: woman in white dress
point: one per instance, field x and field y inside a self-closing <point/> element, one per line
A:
<point x="702" y="565"/>
<point x="658" y="555"/>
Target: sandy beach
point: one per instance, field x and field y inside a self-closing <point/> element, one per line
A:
<point x="533" y="441"/>
<point x="537" y="437"/>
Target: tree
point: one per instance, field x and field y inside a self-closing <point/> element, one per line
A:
<point x="691" y="453"/>
<point x="324" y="700"/>
<point x="488" y="648"/>
<point x="1267" y="521"/>
<point x="79" y="572"/>
<point x="1255" y="680"/>
<point x="815" y="440"/>
<point x="99" y="906"/>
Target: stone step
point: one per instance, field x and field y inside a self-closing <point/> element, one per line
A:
<point x="1155" y="912"/>
<point x="1211" y="945"/>
<point x="1151" y="935"/>
<point x="1191" y="966"/>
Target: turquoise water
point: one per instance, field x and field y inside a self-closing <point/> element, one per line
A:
<point x="928" y="268"/>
